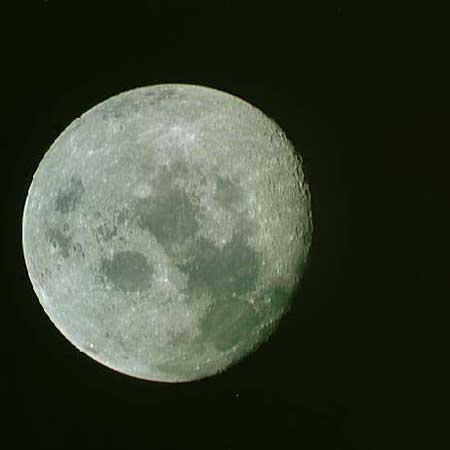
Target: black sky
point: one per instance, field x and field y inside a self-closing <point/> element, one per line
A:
<point x="362" y="93"/>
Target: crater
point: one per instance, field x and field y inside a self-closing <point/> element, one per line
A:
<point x="106" y="232"/>
<point x="276" y="300"/>
<point x="156" y="96"/>
<point x="112" y="114"/>
<point x="68" y="198"/>
<point x="59" y="241"/>
<point x="128" y="271"/>
<point x="110" y="229"/>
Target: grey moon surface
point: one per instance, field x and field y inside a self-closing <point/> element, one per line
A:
<point x="166" y="229"/>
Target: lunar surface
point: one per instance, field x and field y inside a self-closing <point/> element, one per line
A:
<point x="166" y="229"/>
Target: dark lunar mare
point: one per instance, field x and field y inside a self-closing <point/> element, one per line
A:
<point x="227" y="274"/>
<point x="68" y="197"/>
<point x="228" y="194"/>
<point x="169" y="213"/>
<point x="67" y="200"/>
<point x="128" y="271"/>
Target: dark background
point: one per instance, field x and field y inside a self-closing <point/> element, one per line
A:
<point x="361" y="92"/>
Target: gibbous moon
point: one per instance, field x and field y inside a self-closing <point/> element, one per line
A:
<point x="166" y="230"/>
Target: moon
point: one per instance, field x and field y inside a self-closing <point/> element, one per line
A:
<point x="166" y="229"/>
